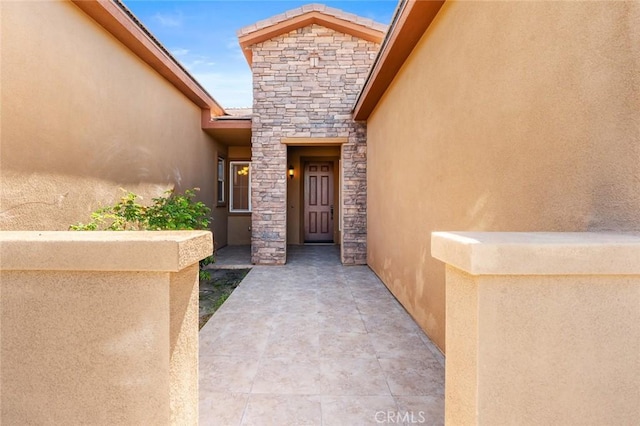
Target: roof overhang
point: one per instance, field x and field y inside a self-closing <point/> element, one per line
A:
<point x="304" y="20"/>
<point x="120" y="22"/>
<point x="231" y="131"/>
<point x="412" y="19"/>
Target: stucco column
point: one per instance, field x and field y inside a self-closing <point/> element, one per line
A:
<point x="542" y="328"/>
<point x="100" y="327"/>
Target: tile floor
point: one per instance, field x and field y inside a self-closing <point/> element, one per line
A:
<point x="232" y="257"/>
<point x="317" y="343"/>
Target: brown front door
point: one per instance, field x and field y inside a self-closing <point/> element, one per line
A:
<point x="318" y="202"/>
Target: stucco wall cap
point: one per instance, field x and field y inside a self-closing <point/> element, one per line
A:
<point x="168" y="251"/>
<point x="539" y="253"/>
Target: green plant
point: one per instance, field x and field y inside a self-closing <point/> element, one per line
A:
<point x="172" y="212"/>
<point x="205" y="274"/>
<point x="178" y="211"/>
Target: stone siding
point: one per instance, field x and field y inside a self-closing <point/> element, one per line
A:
<point x="305" y="84"/>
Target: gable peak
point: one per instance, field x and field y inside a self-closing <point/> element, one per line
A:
<point x="303" y="16"/>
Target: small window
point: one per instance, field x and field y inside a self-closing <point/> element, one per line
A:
<point x="221" y="177"/>
<point x="240" y="193"/>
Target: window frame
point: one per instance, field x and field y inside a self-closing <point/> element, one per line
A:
<point x="221" y="178"/>
<point x="231" y="171"/>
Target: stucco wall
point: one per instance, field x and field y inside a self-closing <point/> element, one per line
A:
<point x="293" y="98"/>
<point x="82" y="117"/>
<point x="100" y="327"/>
<point x="510" y="116"/>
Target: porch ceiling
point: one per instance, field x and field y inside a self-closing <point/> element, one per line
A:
<point x="230" y="131"/>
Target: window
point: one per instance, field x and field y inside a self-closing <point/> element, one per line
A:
<point x="221" y="177"/>
<point x="240" y="193"/>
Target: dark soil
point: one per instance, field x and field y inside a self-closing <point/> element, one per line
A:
<point x="215" y="291"/>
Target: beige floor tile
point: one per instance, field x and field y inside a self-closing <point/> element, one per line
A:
<point x="242" y="342"/>
<point x="350" y="322"/>
<point x="400" y="345"/>
<point x="222" y="409"/>
<point x="338" y="306"/>
<point x="428" y="410"/>
<point x="255" y="305"/>
<point x="349" y="345"/>
<point x="226" y="374"/>
<point x="352" y="376"/>
<point x="303" y="306"/>
<point x="290" y="322"/>
<point x="314" y="342"/>
<point x="282" y="410"/>
<point x="292" y="344"/>
<point x="437" y="354"/>
<point x="355" y="410"/>
<point x="233" y="320"/>
<point x="377" y="306"/>
<point x="389" y="324"/>
<point x="413" y="377"/>
<point x="287" y="376"/>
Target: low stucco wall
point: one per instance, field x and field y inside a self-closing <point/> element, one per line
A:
<point x="100" y="327"/>
<point x="82" y="117"/>
<point x="510" y="116"/>
<point x="542" y="328"/>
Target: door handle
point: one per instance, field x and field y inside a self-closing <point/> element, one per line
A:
<point x="331" y="212"/>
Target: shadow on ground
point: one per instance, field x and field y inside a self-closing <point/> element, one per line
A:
<point x="214" y="291"/>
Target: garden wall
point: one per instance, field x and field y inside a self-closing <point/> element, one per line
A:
<point x="507" y="116"/>
<point x="82" y="116"/>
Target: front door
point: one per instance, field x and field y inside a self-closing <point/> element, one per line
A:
<point x="318" y="202"/>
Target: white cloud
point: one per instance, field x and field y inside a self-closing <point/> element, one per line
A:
<point x="196" y="63"/>
<point x="232" y="43"/>
<point x="232" y="89"/>
<point x="169" y="20"/>
<point x="179" y="51"/>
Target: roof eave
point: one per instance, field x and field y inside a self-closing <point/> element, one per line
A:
<point x="412" y="20"/>
<point x="306" y="19"/>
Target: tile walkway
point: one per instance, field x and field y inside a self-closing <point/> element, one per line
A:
<point x="232" y="257"/>
<point x="317" y="343"/>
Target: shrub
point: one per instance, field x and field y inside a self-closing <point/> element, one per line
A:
<point x="172" y="212"/>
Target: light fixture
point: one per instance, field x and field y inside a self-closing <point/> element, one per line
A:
<point x="290" y="171"/>
<point x="314" y="60"/>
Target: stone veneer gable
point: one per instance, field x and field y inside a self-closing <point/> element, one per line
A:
<point x="292" y="98"/>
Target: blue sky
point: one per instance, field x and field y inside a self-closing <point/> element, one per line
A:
<point x="202" y="36"/>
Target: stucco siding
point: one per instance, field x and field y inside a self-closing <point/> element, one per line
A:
<point x="82" y="116"/>
<point x="507" y="116"/>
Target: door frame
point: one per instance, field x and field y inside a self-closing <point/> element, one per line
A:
<point x="337" y="209"/>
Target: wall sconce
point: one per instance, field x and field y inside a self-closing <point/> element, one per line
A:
<point x="290" y="171"/>
<point x="314" y="60"/>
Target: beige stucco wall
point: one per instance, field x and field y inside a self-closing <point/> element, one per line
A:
<point x="100" y="327"/>
<point x="67" y="359"/>
<point x="511" y="116"/>
<point x="82" y="117"/>
<point x="541" y="328"/>
<point x="239" y="229"/>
